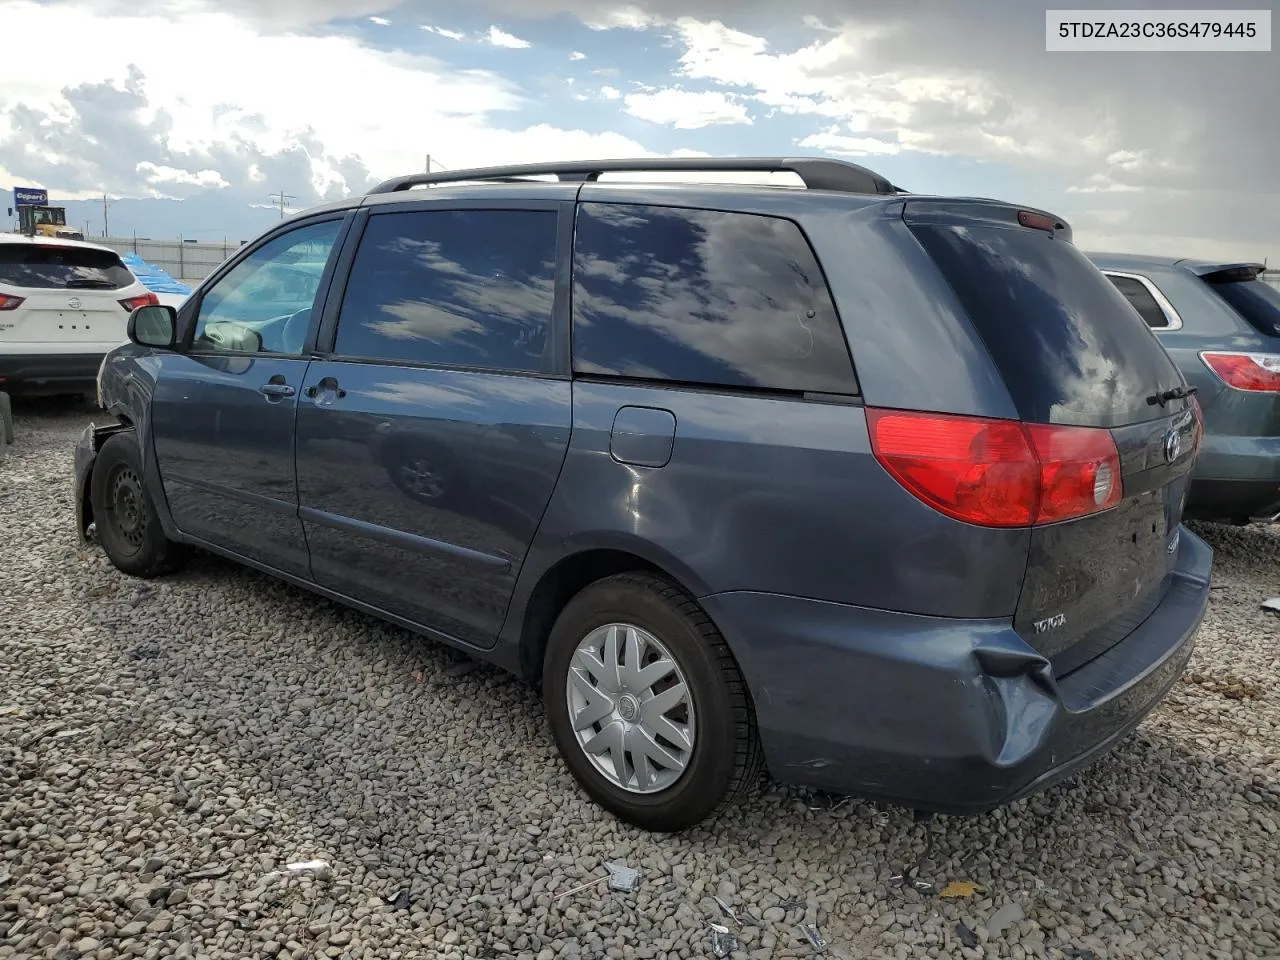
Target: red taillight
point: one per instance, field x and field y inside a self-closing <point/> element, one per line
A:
<point x="147" y="299"/>
<point x="1079" y="470"/>
<point x="998" y="473"/>
<point x="1257" y="372"/>
<point x="10" y="303"/>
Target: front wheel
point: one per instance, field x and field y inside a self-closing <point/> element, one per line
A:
<point x="647" y="704"/>
<point x="124" y="515"/>
<point x="6" y="419"/>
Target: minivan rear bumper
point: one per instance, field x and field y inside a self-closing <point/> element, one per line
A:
<point x="951" y="716"/>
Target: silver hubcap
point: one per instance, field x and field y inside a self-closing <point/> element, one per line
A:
<point x="630" y="708"/>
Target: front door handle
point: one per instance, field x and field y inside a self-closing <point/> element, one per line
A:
<point x="276" y="390"/>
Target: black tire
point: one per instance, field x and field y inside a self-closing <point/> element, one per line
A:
<point x="123" y="514"/>
<point x="726" y="760"/>
<point x="6" y="419"/>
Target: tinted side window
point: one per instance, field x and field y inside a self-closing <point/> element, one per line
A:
<point x="471" y="288"/>
<point x="1140" y="298"/>
<point x="701" y="296"/>
<point x="263" y="303"/>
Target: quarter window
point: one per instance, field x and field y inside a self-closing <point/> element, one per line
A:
<point x="1140" y="298"/>
<point x="467" y="288"/>
<point x="703" y="297"/>
<point x="263" y="304"/>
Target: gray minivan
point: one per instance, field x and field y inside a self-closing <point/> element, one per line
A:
<point x="882" y="492"/>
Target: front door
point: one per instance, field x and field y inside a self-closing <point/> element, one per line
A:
<point x="431" y="438"/>
<point x="224" y="408"/>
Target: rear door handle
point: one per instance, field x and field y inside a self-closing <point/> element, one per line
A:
<point x="325" y="391"/>
<point x="276" y="390"/>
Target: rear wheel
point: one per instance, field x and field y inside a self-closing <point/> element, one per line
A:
<point x="647" y="704"/>
<point x="124" y="515"/>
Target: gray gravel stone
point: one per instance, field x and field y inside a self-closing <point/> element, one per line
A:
<point x="166" y="746"/>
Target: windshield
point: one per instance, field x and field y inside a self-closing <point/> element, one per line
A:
<point x="61" y="268"/>
<point x="1256" y="301"/>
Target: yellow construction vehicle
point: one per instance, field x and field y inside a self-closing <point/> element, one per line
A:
<point x="37" y="219"/>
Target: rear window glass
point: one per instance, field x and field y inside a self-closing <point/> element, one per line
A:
<point x="62" y="268"/>
<point x="703" y="297"/>
<point x="1257" y="302"/>
<point x="1070" y="348"/>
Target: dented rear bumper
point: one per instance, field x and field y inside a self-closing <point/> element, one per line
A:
<point x="953" y="716"/>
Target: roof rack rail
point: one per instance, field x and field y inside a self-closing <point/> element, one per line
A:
<point x="816" y="173"/>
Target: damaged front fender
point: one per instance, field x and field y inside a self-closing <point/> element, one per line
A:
<point x="86" y="454"/>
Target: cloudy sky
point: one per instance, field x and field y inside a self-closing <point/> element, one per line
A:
<point x="219" y="104"/>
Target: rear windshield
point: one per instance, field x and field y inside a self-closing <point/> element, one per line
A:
<point x="1257" y="302"/>
<point x="61" y="268"/>
<point x="1069" y="346"/>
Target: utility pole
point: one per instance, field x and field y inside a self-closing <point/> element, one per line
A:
<point x="282" y="198"/>
<point x="105" y="230"/>
<point x="428" y="163"/>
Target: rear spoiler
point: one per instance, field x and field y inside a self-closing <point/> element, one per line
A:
<point x="966" y="210"/>
<point x="1223" y="272"/>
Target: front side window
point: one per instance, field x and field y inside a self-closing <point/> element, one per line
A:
<point x="703" y="297"/>
<point x="459" y="288"/>
<point x="1141" y="299"/>
<point x="263" y="304"/>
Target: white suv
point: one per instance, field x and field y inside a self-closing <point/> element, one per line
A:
<point x="63" y="305"/>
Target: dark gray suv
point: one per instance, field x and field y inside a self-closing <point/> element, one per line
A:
<point x="882" y="492"/>
<point x="1221" y="325"/>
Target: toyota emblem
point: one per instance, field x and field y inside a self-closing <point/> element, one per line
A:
<point x="74" y="303"/>
<point x="1172" y="445"/>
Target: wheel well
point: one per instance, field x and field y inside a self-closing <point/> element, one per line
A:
<point x="124" y="426"/>
<point x="558" y="586"/>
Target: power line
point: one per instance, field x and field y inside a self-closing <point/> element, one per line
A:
<point x="281" y="198"/>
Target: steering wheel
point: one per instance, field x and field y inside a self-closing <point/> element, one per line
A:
<point x="294" y="334"/>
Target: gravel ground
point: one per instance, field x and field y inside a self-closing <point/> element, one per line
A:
<point x="166" y="748"/>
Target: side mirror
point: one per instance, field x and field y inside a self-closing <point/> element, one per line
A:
<point x="153" y="326"/>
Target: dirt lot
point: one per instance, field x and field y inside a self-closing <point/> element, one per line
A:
<point x="166" y="748"/>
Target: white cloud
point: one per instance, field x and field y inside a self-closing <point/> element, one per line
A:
<point x="610" y="93"/>
<point x="380" y="21"/>
<point x="830" y="141"/>
<point x="1102" y="184"/>
<point x="195" y="104"/>
<point x="500" y="38"/>
<point x="442" y="32"/>
<point x="686" y="109"/>
<point x="577" y="55"/>
<point x="161" y="176"/>
<point x="627" y="17"/>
